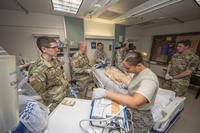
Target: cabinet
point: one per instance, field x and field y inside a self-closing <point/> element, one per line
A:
<point x="62" y="50"/>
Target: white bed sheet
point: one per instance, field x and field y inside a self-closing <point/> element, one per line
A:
<point x="107" y="82"/>
<point x="163" y="98"/>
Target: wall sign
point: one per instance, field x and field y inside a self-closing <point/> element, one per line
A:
<point x="93" y="45"/>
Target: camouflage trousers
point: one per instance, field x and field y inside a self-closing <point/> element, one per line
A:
<point x="142" y="121"/>
<point x="179" y="86"/>
<point x="84" y="89"/>
<point x="53" y="106"/>
<point x="54" y="96"/>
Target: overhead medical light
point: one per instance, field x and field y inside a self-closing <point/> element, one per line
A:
<point x="69" y="6"/>
<point x="198" y="2"/>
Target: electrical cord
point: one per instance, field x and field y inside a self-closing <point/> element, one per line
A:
<point x="99" y="120"/>
<point x="118" y="129"/>
<point x="128" y="110"/>
<point x="132" y="127"/>
<point x="93" y="129"/>
<point x="130" y="120"/>
<point x="105" y="127"/>
<point x="111" y="128"/>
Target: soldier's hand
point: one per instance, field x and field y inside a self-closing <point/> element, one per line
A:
<point x="98" y="93"/>
<point x="168" y="77"/>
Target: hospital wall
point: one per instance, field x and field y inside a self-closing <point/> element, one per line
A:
<point x="144" y="36"/>
<point x="98" y="32"/>
<point x="135" y="34"/>
<point x="16" y="35"/>
<point x="17" y="31"/>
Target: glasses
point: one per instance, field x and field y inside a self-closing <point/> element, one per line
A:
<point x="55" y="47"/>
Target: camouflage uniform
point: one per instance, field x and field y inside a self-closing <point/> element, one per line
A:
<point x="142" y="120"/>
<point x="50" y="81"/>
<point x="180" y="63"/>
<point x="80" y="64"/>
<point x="99" y="56"/>
<point x="119" y="58"/>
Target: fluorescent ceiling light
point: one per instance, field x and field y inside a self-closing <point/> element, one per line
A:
<point x="198" y="2"/>
<point x="69" y="6"/>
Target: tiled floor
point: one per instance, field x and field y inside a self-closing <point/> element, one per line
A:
<point x="189" y="122"/>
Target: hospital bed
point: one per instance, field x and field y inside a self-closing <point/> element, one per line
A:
<point x="167" y="107"/>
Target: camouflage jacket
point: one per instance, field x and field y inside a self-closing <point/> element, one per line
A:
<point x="48" y="80"/>
<point x="183" y="62"/>
<point x="80" y="64"/>
<point x="99" y="56"/>
<point x="119" y="58"/>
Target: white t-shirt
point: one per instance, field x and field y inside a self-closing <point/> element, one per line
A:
<point x="145" y="83"/>
<point x="147" y="88"/>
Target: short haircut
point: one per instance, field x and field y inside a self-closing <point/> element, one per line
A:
<point x="99" y="43"/>
<point x="185" y="42"/>
<point x="44" y="41"/>
<point x="81" y="43"/>
<point x="134" y="59"/>
<point x="122" y="45"/>
<point x="131" y="46"/>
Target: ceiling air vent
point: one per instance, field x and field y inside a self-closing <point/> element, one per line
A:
<point x="108" y="15"/>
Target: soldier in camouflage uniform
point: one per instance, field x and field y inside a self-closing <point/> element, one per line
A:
<point x="120" y="55"/>
<point x="99" y="54"/>
<point x="131" y="48"/>
<point x="47" y="76"/>
<point x="180" y="68"/>
<point x="81" y="71"/>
